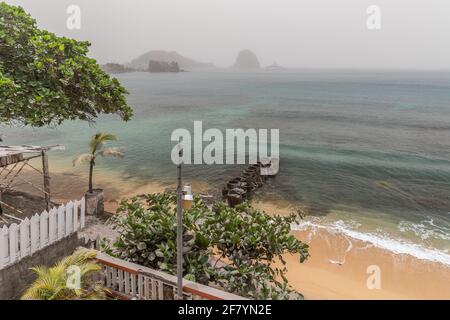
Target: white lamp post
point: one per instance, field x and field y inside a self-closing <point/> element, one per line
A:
<point x="184" y="201"/>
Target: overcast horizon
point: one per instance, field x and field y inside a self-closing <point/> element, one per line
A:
<point x="294" y="33"/>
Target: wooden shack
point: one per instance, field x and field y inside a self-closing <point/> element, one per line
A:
<point x="13" y="159"/>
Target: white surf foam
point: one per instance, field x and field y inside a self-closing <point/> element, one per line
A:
<point x="427" y="229"/>
<point x="398" y="246"/>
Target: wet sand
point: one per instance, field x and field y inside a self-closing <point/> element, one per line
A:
<point x="332" y="272"/>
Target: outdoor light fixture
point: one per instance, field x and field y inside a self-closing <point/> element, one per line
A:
<point x="187" y="198"/>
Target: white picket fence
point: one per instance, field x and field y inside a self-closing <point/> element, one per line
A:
<point x="21" y="240"/>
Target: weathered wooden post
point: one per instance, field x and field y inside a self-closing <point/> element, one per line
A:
<point x="46" y="175"/>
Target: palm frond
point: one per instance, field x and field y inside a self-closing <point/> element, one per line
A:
<point x="112" y="152"/>
<point x="98" y="140"/>
<point x="82" y="158"/>
<point x="51" y="283"/>
<point x="79" y="257"/>
<point x="44" y="287"/>
<point x="89" y="268"/>
<point x="40" y="271"/>
<point x="96" y="293"/>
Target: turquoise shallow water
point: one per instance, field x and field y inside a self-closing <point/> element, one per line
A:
<point x="369" y="148"/>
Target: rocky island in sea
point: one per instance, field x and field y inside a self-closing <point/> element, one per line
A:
<point x="162" y="66"/>
<point x="246" y="59"/>
<point x="142" y="62"/>
<point x="156" y="61"/>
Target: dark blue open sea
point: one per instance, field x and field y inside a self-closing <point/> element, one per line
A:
<point x="368" y="153"/>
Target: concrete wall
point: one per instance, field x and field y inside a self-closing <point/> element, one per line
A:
<point x="16" y="278"/>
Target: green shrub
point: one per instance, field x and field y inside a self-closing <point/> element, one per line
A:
<point x="236" y="249"/>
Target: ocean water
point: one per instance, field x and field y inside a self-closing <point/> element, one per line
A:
<point x="366" y="152"/>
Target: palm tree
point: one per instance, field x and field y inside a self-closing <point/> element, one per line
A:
<point x="97" y="148"/>
<point x="55" y="283"/>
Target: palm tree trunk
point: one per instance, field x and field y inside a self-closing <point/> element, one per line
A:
<point x="91" y="172"/>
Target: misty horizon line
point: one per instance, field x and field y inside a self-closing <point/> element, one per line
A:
<point x="287" y="66"/>
<point x="301" y="34"/>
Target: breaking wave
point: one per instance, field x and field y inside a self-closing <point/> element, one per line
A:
<point x="381" y="240"/>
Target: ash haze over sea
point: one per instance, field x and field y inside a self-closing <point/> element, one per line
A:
<point x="367" y="152"/>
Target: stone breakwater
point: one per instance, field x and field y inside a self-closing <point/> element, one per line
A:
<point x="242" y="188"/>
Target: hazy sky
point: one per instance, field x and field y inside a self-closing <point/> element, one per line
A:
<point x="296" y="33"/>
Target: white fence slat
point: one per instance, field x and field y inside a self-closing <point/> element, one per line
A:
<point x="154" y="295"/>
<point x="25" y="244"/>
<point x="120" y="281"/>
<point x="108" y="275"/>
<point x="18" y="242"/>
<point x="43" y="229"/>
<point x="34" y="233"/>
<point x="52" y="225"/>
<point x="83" y="212"/>
<point x="127" y="282"/>
<point x="69" y="218"/>
<point x="113" y="274"/>
<point x="160" y="290"/>
<point x="146" y="288"/>
<point x="13" y="241"/>
<point x="61" y="224"/>
<point x="140" y="286"/>
<point x="37" y="232"/>
<point x="4" y="246"/>
<point x="76" y="206"/>
<point x="133" y="285"/>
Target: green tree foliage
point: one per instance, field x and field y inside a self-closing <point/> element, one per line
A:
<point x="46" y="79"/>
<point x="236" y="249"/>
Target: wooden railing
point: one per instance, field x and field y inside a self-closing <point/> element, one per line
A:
<point x="127" y="280"/>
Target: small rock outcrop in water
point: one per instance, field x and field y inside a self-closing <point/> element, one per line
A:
<point x="141" y="62"/>
<point x="114" y="68"/>
<point x="274" y="67"/>
<point x="161" y="66"/>
<point x="246" y="60"/>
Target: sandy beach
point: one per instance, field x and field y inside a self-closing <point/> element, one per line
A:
<point x="401" y="276"/>
<point x="337" y="269"/>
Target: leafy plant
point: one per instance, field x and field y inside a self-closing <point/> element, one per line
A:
<point x="253" y="242"/>
<point x="45" y="79"/>
<point x="147" y="228"/>
<point x="97" y="148"/>
<point x="52" y="283"/>
<point x="237" y="249"/>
